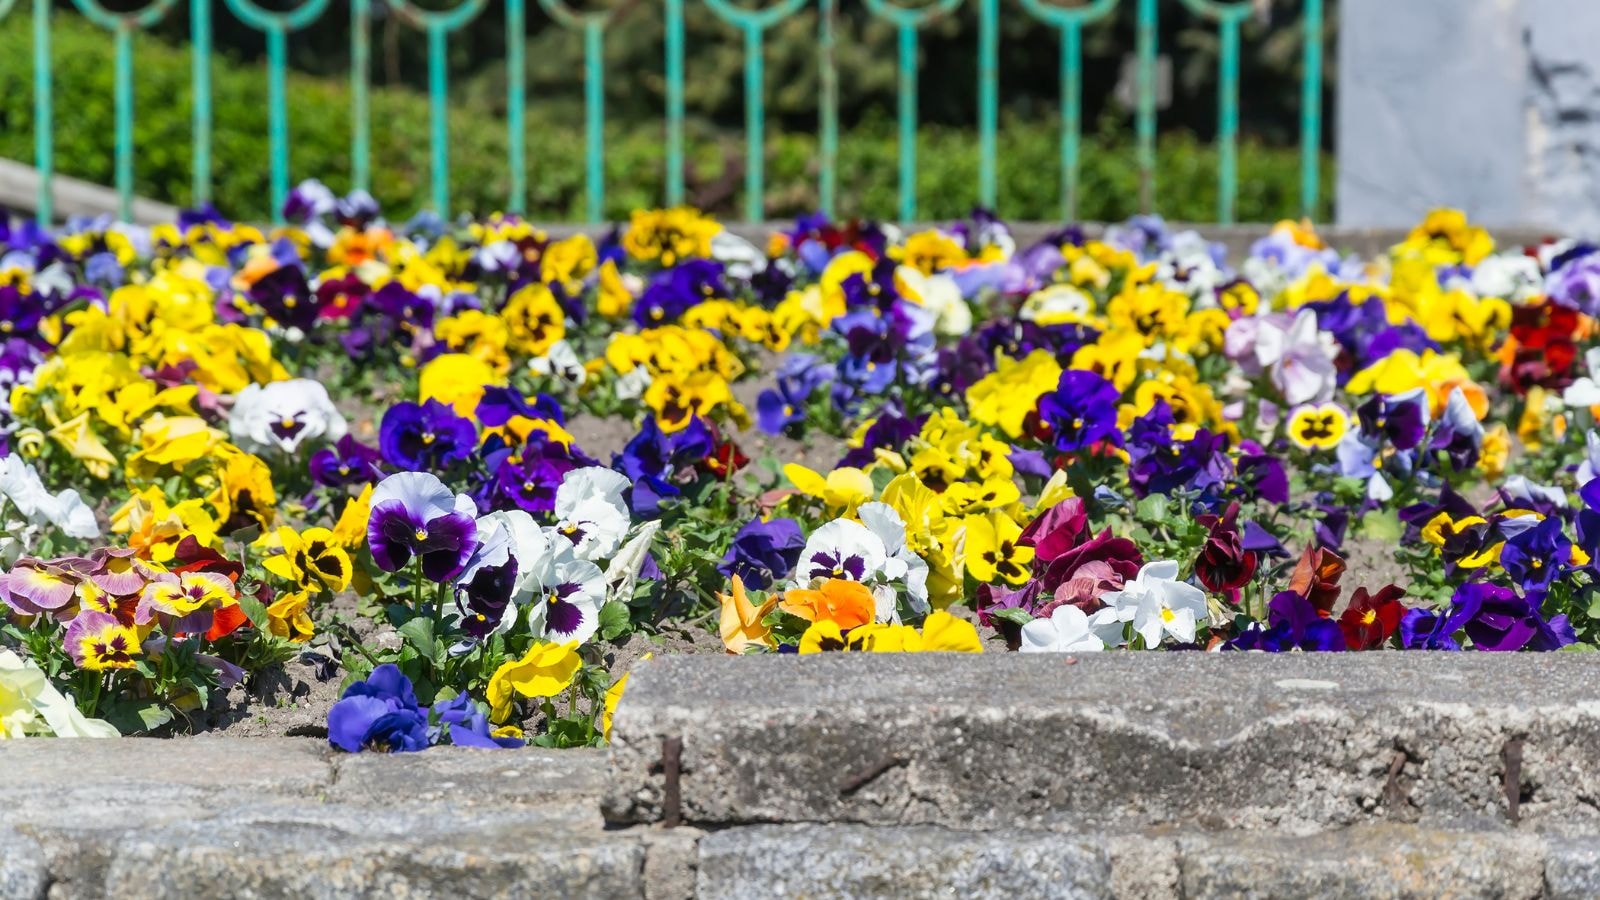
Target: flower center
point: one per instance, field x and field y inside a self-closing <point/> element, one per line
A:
<point x="422" y="534"/>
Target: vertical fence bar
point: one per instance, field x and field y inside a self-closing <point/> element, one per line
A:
<point x="1227" y="119"/>
<point x="438" y="26"/>
<point x="123" y="26"/>
<point x="754" y="23"/>
<point x="988" y="99"/>
<point x="1229" y="18"/>
<point x="907" y="21"/>
<point x="276" y="27"/>
<point x="827" y="109"/>
<point x="1311" y="111"/>
<point x="1070" y="21"/>
<point x="200" y="85"/>
<point x="1071" y="115"/>
<point x="1145" y="115"/>
<point x="593" y="25"/>
<point x="908" y="122"/>
<point x="124" y="119"/>
<point x="675" y="162"/>
<point x="43" y="115"/>
<point x="594" y="100"/>
<point x="755" y="126"/>
<point x="438" y="123"/>
<point x="360" y="84"/>
<point x="278" y="117"/>
<point x="516" y="103"/>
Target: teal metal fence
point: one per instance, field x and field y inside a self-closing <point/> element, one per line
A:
<point x="752" y="24"/>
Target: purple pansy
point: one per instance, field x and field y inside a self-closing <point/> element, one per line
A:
<point x="1081" y="411"/>
<point x="427" y="436"/>
<point x="347" y="462"/>
<point x="380" y="713"/>
<point x="415" y="515"/>
<point x="763" y="552"/>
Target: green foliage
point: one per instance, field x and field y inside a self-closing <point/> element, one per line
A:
<point x="1029" y="174"/>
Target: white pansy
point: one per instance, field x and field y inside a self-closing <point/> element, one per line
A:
<point x="1159" y="605"/>
<point x="1068" y="630"/>
<point x="591" y="512"/>
<point x="561" y="363"/>
<point x="940" y="295"/>
<point x="740" y="258"/>
<point x="283" y="415"/>
<point x="900" y="564"/>
<point x="562" y="594"/>
<point x="31" y="705"/>
<point x="23" y="494"/>
<point x="843" y="548"/>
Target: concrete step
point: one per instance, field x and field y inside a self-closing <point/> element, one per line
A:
<point x="847" y="861"/>
<point x="1113" y="742"/>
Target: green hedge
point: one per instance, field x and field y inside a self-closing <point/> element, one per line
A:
<point x="320" y="140"/>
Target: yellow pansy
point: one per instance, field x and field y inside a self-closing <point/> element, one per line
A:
<point x="350" y="530"/>
<point x="458" y="380"/>
<point x="1318" y="426"/>
<point x="288" y="617"/>
<point x="172" y="442"/>
<point x="929" y="252"/>
<point x="546" y="670"/>
<point x="945" y="633"/>
<point x="844" y="488"/>
<point x="992" y="550"/>
<point x="311" y="559"/>
<point x="535" y="320"/>
<point x="478" y="334"/>
<point x="740" y="624"/>
<point x="1006" y="396"/>
<point x="1445" y="238"/>
<point x="568" y="261"/>
<point x="669" y="236"/>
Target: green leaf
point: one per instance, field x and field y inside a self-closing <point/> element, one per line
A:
<point x="419" y="633"/>
<point x="1152" y="508"/>
<point x="1017" y="615"/>
<point x="254" y="610"/>
<point x="139" y="718"/>
<point x="614" y="621"/>
<point x="1382" y="525"/>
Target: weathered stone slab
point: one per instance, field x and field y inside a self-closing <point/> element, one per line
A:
<point x="848" y="861"/>
<point x="1114" y="741"/>
<point x="423" y="850"/>
<point x="1382" y="861"/>
<point x="1572" y="869"/>
<point x="458" y="776"/>
<point x="24" y="874"/>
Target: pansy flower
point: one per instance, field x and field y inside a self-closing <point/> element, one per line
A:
<point x="591" y="511"/>
<point x="283" y="415"/>
<point x="347" y="462"/>
<point x="426" y="436"/>
<point x="1318" y="427"/>
<point x="1081" y="411"/>
<point x="97" y="642"/>
<point x="379" y="714"/>
<point x="415" y="515"/>
<point x="1371" y="619"/>
<point x="763" y="552"/>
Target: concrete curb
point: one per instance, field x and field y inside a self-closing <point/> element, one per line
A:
<point x="1118" y="775"/>
<point x="1114" y="741"/>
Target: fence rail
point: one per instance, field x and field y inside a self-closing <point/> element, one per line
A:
<point x="752" y="24"/>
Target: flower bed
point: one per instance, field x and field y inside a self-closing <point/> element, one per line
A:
<point x="460" y="475"/>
